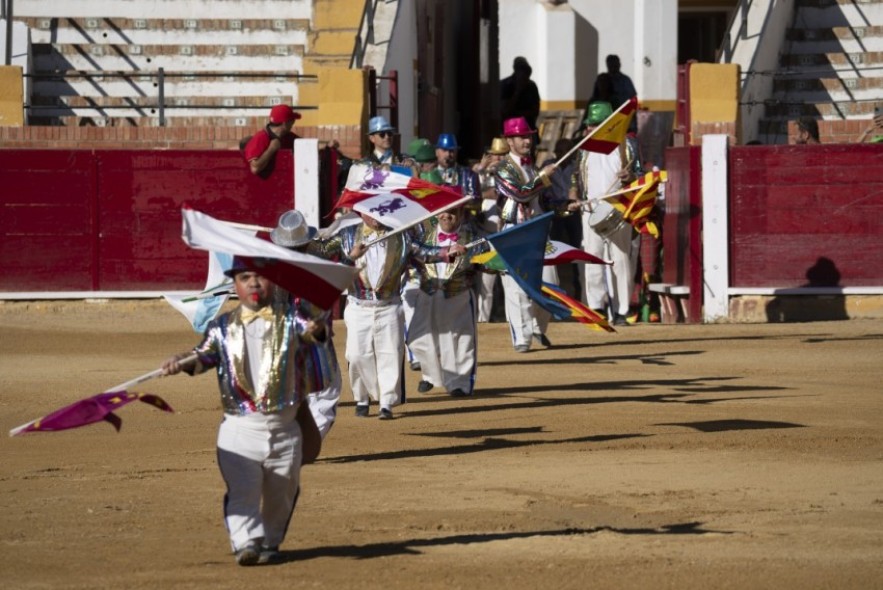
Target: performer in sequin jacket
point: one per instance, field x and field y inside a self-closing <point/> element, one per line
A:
<point x="254" y="350"/>
<point x="373" y="313"/>
<point x="442" y="334"/>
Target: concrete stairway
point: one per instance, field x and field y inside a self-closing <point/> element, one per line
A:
<point x="831" y="68"/>
<point x="96" y="62"/>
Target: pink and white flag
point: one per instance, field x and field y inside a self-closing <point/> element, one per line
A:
<point x="394" y="199"/>
<point x="317" y="280"/>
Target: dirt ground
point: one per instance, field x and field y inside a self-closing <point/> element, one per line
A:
<point x="718" y="456"/>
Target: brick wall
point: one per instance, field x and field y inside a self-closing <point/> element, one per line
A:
<point x="198" y="137"/>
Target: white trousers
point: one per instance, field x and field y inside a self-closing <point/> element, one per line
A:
<point x="485" y="286"/>
<point x="409" y="298"/>
<point x="442" y="337"/>
<point x="323" y="406"/>
<point x="375" y="345"/>
<point x="259" y="456"/>
<point x="524" y="316"/>
<point x="616" y="247"/>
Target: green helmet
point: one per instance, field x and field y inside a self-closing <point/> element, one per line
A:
<point x="432" y="176"/>
<point x="425" y="153"/>
<point x="598" y="112"/>
<point x="415" y="145"/>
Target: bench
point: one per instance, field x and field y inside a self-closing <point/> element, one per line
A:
<point x="672" y="301"/>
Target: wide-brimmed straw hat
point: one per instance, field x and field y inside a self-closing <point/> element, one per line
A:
<point x="292" y="230"/>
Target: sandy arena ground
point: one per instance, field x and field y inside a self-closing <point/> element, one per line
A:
<point x="721" y="456"/>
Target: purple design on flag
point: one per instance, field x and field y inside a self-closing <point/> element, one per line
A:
<point x="374" y="179"/>
<point x="388" y="207"/>
<point x="90" y="410"/>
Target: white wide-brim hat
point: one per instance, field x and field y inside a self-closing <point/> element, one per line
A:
<point x="292" y="230"/>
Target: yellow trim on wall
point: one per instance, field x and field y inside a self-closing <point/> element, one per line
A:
<point x="12" y="112"/>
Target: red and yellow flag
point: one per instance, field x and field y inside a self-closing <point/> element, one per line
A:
<point x="609" y="134"/>
<point x="636" y="201"/>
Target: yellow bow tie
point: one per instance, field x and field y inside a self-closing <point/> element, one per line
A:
<point x="369" y="233"/>
<point x="249" y="316"/>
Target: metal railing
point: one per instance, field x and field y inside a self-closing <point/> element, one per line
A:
<point x="160" y="76"/>
<point x="360" y="46"/>
<point x="728" y="44"/>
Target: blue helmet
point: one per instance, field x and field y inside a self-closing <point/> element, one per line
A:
<point x="447" y="141"/>
<point x="378" y="124"/>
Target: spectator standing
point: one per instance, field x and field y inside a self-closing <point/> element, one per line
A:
<point x="260" y="150"/>
<point x="807" y="131"/>
<point x="520" y="97"/>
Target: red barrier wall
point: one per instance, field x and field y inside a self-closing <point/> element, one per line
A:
<point x="794" y="206"/>
<point x="110" y="220"/>
<point x="682" y="224"/>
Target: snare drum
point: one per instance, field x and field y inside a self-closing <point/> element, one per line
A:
<point x="605" y="219"/>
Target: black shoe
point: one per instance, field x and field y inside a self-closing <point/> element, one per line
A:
<point x="619" y="320"/>
<point x="424" y="386"/>
<point x="458" y="393"/>
<point x="415" y="366"/>
<point x="269" y="555"/>
<point x="385" y="414"/>
<point x="362" y="411"/>
<point x="541" y="338"/>
<point x="248" y="555"/>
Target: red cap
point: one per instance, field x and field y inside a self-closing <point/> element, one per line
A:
<point x="282" y="113"/>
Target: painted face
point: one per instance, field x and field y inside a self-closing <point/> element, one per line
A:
<point x="520" y="146"/>
<point x="252" y="289"/>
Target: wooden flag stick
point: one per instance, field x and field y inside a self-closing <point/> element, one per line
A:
<point x="249" y="227"/>
<point x="418" y="221"/>
<point x="147" y="376"/>
<point x="121" y="387"/>
<point x="587" y="137"/>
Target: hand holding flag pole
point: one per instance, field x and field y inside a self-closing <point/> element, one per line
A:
<point x="99" y="407"/>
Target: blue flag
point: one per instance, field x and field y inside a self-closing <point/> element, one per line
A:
<point x="522" y="249"/>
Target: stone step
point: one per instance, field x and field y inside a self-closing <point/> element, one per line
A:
<point x="147" y="85"/>
<point x="816" y="14"/>
<point x="160" y="30"/>
<point x="249" y="124"/>
<point x="171" y="9"/>
<point x="870" y="59"/>
<point x="828" y="89"/>
<point x="834" y="33"/>
<point x="261" y="60"/>
<point x="144" y="52"/>
<point x="825" y="110"/>
<point x="837" y="45"/>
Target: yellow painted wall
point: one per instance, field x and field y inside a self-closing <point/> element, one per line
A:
<point x="714" y="92"/>
<point x="11" y="96"/>
<point x="340" y="95"/>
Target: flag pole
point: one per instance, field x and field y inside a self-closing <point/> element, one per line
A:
<point x="121" y="387"/>
<point x="419" y="221"/>
<point x="247" y="226"/>
<point x="148" y="376"/>
<point x="587" y="137"/>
